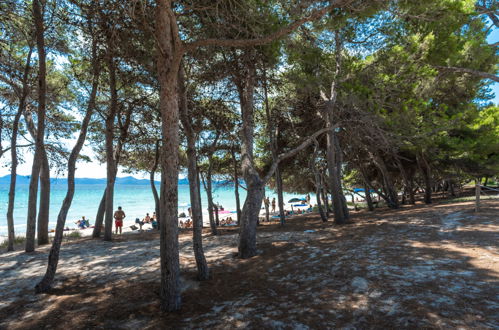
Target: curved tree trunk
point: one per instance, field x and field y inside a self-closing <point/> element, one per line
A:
<point x="40" y="148"/>
<point x="390" y="191"/>
<point x="13" y="152"/>
<point x="99" y="217"/>
<point x="46" y="283"/>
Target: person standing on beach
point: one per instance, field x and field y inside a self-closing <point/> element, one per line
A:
<point x="119" y="215"/>
<point x="273" y="204"/>
<point x="308" y="199"/>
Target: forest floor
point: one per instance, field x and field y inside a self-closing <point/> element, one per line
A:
<point x="422" y="266"/>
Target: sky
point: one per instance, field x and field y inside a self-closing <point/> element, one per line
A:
<point x="96" y="170"/>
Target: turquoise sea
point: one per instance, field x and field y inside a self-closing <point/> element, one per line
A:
<point x="136" y="200"/>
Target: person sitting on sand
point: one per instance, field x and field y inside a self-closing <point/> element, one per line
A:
<point x="222" y="222"/>
<point x="188" y="223"/>
<point x="80" y="224"/>
<point x="181" y="224"/>
<point x="119" y="215"/>
<point x="154" y="217"/>
<point x="147" y="218"/>
<point x="140" y="223"/>
<point x="154" y="224"/>
<point x="228" y="221"/>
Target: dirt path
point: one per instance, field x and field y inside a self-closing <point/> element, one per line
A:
<point x="433" y="267"/>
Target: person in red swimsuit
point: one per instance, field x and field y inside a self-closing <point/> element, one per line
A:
<point x="119" y="215"/>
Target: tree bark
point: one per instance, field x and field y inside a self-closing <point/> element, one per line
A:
<point x="168" y="57"/>
<point x="13" y="151"/>
<point x="254" y="194"/>
<point x="211" y="208"/>
<point x="44" y="204"/>
<point x="236" y="186"/>
<point x="151" y="181"/>
<point x="369" y="200"/>
<point x="46" y="283"/>
<point x="390" y="191"/>
<point x="340" y="208"/>
<point x="192" y="175"/>
<point x="318" y="183"/>
<point x="111" y="164"/>
<point x="407" y="182"/>
<point x="99" y="217"/>
<point x="267" y="211"/>
<point x="40" y="148"/>
<point x="425" y="172"/>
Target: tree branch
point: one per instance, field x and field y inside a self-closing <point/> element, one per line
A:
<point x="271" y="37"/>
<point x="308" y="141"/>
<point x="481" y="74"/>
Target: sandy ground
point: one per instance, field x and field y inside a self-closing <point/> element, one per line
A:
<point x="417" y="267"/>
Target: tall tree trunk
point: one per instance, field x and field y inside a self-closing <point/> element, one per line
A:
<point x="40" y="148"/>
<point x="168" y="55"/>
<point x="340" y="208"/>
<point x="46" y="283"/>
<point x="272" y="133"/>
<point x="111" y="164"/>
<point x="236" y="186"/>
<point x="192" y="175"/>
<point x="13" y="151"/>
<point x="254" y="194"/>
<point x="44" y="204"/>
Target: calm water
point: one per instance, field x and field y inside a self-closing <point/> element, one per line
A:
<point x="136" y="201"/>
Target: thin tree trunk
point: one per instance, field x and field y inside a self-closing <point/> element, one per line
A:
<point x="236" y="186"/>
<point x="110" y="156"/>
<point x="391" y="193"/>
<point x="211" y="208"/>
<point x="192" y="174"/>
<point x="280" y="196"/>
<point x="369" y="200"/>
<point x="168" y="56"/>
<point x="40" y="148"/>
<point x="267" y="210"/>
<point x="153" y="185"/>
<point x="46" y="283"/>
<point x="425" y="172"/>
<point x="44" y="204"/>
<point x="318" y="183"/>
<point x="273" y="133"/>
<point x="13" y="151"/>
<point x="407" y="182"/>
